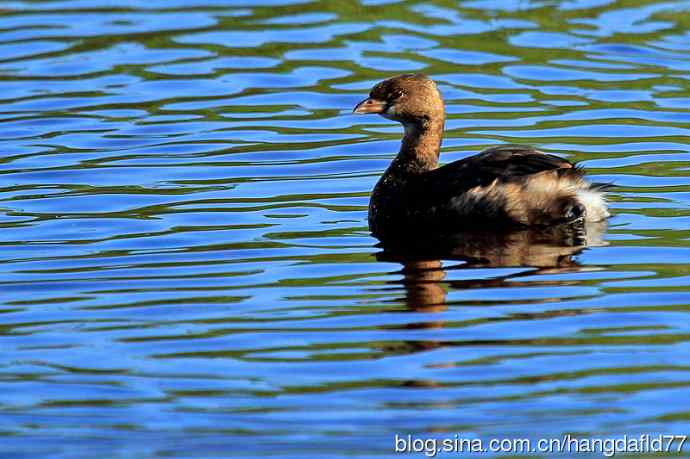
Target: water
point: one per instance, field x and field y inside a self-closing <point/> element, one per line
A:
<point x="186" y="267"/>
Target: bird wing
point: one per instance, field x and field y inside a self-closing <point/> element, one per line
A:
<point x="504" y="163"/>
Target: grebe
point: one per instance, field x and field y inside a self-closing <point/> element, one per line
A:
<point x="506" y="186"/>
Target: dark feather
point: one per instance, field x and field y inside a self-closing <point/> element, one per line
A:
<point x="505" y="163"/>
<point x="601" y="186"/>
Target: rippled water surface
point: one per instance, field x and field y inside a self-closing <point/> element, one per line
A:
<point x="186" y="266"/>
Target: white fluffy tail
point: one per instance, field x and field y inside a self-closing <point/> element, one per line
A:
<point x="595" y="204"/>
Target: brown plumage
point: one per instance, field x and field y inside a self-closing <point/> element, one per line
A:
<point x="504" y="186"/>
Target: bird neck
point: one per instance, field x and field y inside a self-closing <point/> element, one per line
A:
<point x="421" y="144"/>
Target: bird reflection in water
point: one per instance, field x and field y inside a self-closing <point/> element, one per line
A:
<point x="548" y="250"/>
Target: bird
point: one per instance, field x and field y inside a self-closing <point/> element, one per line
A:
<point x="505" y="186"/>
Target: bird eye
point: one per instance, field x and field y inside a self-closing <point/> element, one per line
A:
<point x="396" y="95"/>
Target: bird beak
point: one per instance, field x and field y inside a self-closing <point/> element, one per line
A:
<point x="370" y="106"/>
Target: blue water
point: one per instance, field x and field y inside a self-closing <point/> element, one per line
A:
<point x="186" y="269"/>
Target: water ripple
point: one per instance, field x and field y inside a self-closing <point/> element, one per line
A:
<point x="186" y="263"/>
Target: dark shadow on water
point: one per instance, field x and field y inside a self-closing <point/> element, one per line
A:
<point x="547" y="250"/>
<point x="551" y="247"/>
